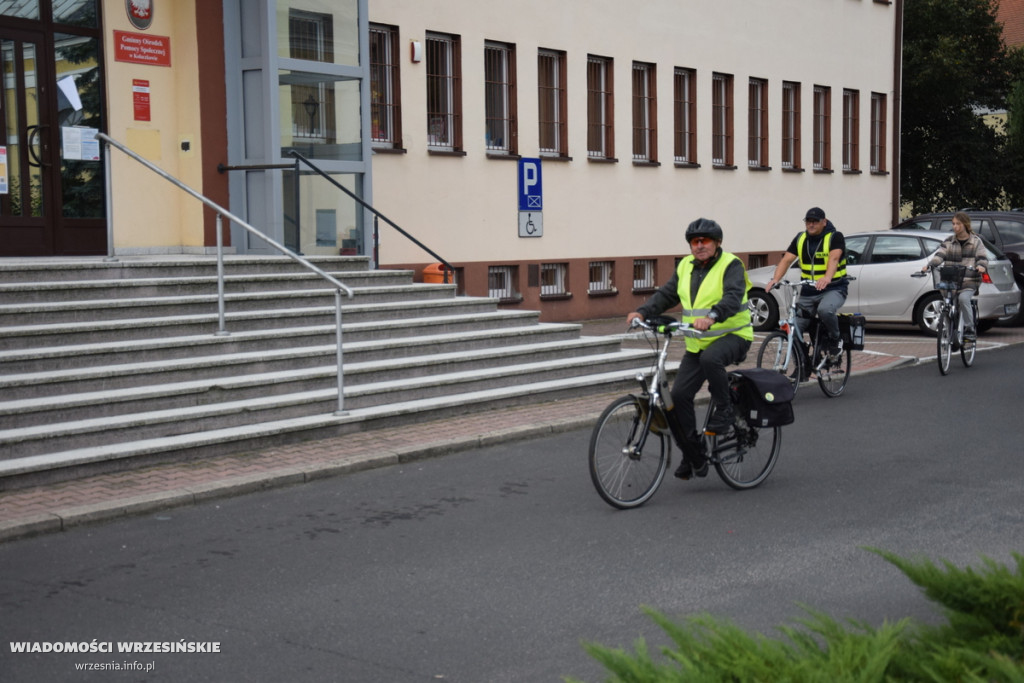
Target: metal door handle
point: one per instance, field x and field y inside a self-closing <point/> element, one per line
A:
<point x="32" y="138"/>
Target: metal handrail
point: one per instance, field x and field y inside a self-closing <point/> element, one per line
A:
<point x="339" y="287"/>
<point x="378" y="214"/>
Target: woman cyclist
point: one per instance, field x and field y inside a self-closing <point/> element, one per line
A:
<point x="964" y="248"/>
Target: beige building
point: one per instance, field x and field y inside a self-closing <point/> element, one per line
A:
<point x="551" y="152"/>
<point x="644" y="116"/>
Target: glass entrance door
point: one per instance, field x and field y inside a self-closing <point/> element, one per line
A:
<point x="52" y="182"/>
<point x="25" y="187"/>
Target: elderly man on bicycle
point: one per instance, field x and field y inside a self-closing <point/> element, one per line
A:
<point x="821" y="250"/>
<point x="711" y="285"/>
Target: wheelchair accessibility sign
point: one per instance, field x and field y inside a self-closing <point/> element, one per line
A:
<point x="531" y="224"/>
<point x="531" y="198"/>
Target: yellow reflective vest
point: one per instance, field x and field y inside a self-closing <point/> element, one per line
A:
<point x="819" y="261"/>
<point x="708" y="294"/>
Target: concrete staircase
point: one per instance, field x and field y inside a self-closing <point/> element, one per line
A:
<point x="107" y="366"/>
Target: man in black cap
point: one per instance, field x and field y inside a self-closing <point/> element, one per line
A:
<point x="822" y="253"/>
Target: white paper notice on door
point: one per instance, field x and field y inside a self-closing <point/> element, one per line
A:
<point x="3" y="170"/>
<point x="80" y="144"/>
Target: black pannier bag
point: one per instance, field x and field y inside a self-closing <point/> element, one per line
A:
<point x="851" y="329"/>
<point x="764" y="397"/>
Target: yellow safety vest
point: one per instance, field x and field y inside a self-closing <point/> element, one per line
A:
<point x="708" y="294"/>
<point x="819" y="261"/>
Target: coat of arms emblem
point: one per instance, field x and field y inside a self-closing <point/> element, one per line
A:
<point x="140" y="13"/>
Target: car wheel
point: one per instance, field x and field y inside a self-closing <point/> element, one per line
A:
<point x="764" y="310"/>
<point x="985" y="325"/>
<point x="927" y="313"/>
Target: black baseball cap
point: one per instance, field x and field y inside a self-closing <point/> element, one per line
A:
<point x="814" y="214"/>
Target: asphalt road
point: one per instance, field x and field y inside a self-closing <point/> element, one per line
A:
<point x="494" y="565"/>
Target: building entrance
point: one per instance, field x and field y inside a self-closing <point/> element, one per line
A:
<point x="52" y="183"/>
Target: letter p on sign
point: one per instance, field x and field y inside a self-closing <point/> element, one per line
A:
<point x="530" y="187"/>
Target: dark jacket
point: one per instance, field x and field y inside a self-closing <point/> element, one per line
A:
<point x="734" y="286"/>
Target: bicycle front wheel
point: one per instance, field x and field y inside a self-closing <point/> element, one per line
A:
<point x="834" y="375"/>
<point x="745" y="458"/>
<point x="944" y="342"/>
<point x="772" y="355"/>
<point x="627" y="460"/>
<point x="968" y="347"/>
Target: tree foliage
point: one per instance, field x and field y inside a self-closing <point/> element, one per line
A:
<point x="955" y="68"/>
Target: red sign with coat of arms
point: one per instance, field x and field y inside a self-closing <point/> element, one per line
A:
<point x="140" y="13"/>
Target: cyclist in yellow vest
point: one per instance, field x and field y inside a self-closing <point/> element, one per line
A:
<point x="821" y="250"/>
<point x="711" y="285"/>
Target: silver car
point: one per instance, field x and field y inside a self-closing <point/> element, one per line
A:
<point x="883" y="262"/>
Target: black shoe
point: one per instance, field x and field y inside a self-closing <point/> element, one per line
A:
<point x="687" y="471"/>
<point x="721" y="422"/>
<point x="970" y="334"/>
<point x="835" y="349"/>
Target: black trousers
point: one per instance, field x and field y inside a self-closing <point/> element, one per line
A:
<point x="709" y="364"/>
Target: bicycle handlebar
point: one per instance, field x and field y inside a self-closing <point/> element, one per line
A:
<point x="668" y="327"/>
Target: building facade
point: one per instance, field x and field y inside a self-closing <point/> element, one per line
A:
<point x="641" y="118"/>
<point x="552" y="154"/>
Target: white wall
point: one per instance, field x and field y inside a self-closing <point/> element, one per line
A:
<point x="465" y="207"/>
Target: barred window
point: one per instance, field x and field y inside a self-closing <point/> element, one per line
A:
<point x="500" y="97"/>
<point x="685" y="110"/>
<point x="501" y="282"/>
<point x="644" y="274"/>
<point x="600" y="108"/>
<point x="645" y="108"/>
<point x="601" y="277"/>
<point x="878" y="118"/>
<point x="822" y="128"/>
<point x="790" y="125"/>
<point x="851" y="130"/>
<point x="444" y="92"/>
<point x="552" y="103"/>
<point x="721" y="120"/>
<point x="757" y="126"/>
<point x="385" y="104"/>
<point x="554" y="279"/>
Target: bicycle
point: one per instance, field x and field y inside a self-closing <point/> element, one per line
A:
<point x="630" y="447"/>
<point x="785" y="350"/>
<point x="949" y="279"/>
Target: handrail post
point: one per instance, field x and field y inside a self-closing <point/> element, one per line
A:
<point x="341" y="380"/>
<point x="222" y="329"/>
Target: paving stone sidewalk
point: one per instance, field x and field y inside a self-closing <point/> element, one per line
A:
<point x="57" y="507"/>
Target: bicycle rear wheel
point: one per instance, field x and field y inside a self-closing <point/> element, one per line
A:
<point x="772" y="355"/>
<point x="745" y="458"/>
<point x="944" y="342"/>
<point x="628" y="461"/>
<point x="833" y="376"/>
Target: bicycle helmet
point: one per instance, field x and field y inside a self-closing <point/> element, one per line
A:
<point x="704" y="227"/>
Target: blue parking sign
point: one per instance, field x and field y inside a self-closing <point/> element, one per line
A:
<point x="530" y="194"/>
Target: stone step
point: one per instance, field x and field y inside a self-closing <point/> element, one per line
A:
<point x="95" y="310"/>
<point x="19" y="472"/>
<point x="399" y="317"/>
<point x="360" y="342"/>
<point x="34" y="398"/>
<point x="18" y="292"/>
<point x="170" y="266"/>
<point x="205" y="406"/>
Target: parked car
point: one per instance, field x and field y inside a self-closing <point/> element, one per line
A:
<point x="884" y="291"/>
<point x="1005" y="229"/>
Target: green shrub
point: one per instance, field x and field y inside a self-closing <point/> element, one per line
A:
<point x="983" y="639"/>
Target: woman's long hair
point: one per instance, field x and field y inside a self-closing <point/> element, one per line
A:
<point x="965" y="219"/>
